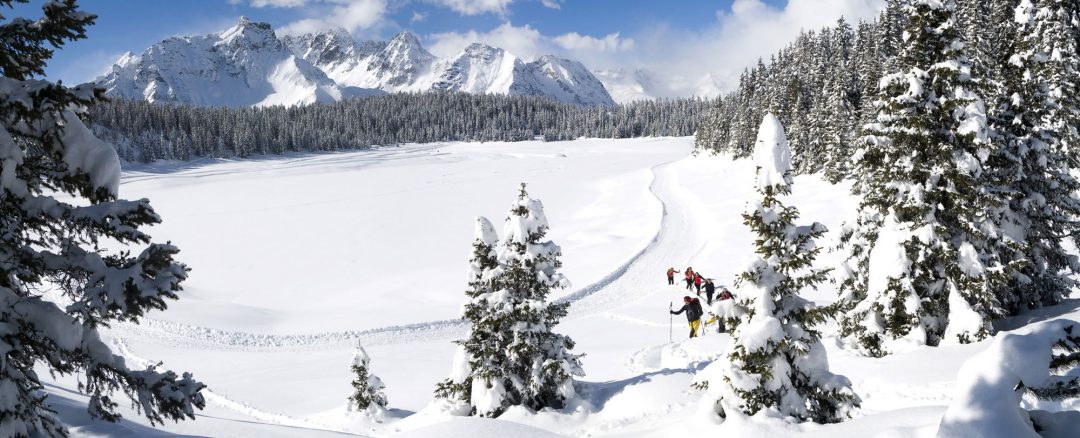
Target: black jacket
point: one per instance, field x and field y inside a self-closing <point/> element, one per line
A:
<point x="710" y="288"/>
<point x="692" y="309"/>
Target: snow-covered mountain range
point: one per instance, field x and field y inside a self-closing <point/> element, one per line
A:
<point x="243" y="66"/>
<point x="249" y="65"/>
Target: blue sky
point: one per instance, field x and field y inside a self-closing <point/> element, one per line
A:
<point x="684" y="40"/>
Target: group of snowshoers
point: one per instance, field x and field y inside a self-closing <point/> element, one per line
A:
<point x="691" y="305"/>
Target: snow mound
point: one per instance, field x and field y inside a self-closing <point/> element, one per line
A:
<point x="471" y="427"/>
<point x="679" y="355"/>
<point x="990" y="387"/>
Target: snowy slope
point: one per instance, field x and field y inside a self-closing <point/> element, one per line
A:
<point x="477" y="69"/>
<point x="395" y="65"/>
<point x="376" y="251"/>
<point x="563" y="79"/>
<point x="245" y="65"/>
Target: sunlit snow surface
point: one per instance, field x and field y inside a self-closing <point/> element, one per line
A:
<point x="297" y="258"/>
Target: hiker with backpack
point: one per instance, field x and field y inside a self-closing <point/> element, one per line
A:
<point x="692" y="307"/>
<point x="689" y="278"/>
<point x="725" y="294"/>
<point x="710" y="289"/>
<point x="698" y="280"/>
<point x="671" y="275"/>
<point x="724" y="309"/>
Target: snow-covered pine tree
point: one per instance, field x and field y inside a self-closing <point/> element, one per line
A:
<point x="776" y="359"/>
<point x="838" y="118"/>
<point x="972" y="19"/>
<point x="1058" y="23"/>
<point x="368" y="389"/>
<point x="1036" y="161"/>
<point x="514" y="358"/>
<point x="482" y="267"/>
<point x="58" y="284"/>
<point x="923" y="254"/>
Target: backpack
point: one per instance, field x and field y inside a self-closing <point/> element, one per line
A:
<point x="695" y="309"/>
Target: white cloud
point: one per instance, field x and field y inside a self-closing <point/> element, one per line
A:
<point x="685" y="62"/>
<point x="524" y="42"/>
<point x="275" y="3"/>
<point x="352" y="15"/>
<point x="609" y="43"/>
<point x="476" y="7"/>
<point x="418" y="17"/>
<point x="553" y="4"/>
<point x="528" y="43"/>
<point x="750" y="30"/>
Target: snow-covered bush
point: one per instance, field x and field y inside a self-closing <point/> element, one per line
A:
<point x="511" y="356"/>
<point x="49" y="244"/>
<point x="730" y="312"/>
<point x="925" y="258"/>
<point x="775" y="360"/>
<point x="1014" y="371"/>
<point x="368" y="389"/>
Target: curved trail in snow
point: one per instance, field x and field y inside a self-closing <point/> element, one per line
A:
<point x="625" y="284"/>
<point x="634" y="282"/>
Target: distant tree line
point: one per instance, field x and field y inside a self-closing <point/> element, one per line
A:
<point x="146" y="132"/>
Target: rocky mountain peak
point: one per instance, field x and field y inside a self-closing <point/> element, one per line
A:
<point x="250" y="35"/>
<point x="407" y="45"/>
<point x="478" y="50"/>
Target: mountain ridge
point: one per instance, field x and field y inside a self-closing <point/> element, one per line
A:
<point x="249" y="65"/>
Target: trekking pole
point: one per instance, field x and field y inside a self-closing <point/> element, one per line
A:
<point x="670" y="321"/>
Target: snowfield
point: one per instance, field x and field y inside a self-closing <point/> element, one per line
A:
<point x="297" y="258"/>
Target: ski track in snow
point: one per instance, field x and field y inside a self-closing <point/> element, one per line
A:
<point x="226" y="403"/>
<point x="344" y="159"/>
<point x="621" y="286"/>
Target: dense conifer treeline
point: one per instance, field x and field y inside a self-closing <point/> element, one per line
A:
<point x="823" y="86"/>
<point x="146" y="132"/>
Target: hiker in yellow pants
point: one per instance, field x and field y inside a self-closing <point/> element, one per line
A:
<point x="692" y="307"/>
<point x="716" y="320"/>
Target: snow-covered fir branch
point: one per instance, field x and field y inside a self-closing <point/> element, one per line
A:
<point x="59" y="201"/>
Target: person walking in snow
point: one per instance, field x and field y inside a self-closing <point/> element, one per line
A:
<point x="692" y="307"/>
<point x="671" y="275"/>
<point x="710" y="289"/>
<point x="689" y="278"/>
<point x="725" y="294"/>
<point x="698" y="280"/>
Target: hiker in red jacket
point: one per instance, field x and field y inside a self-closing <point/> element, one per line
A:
<point x="725" y="294"/>
<point x="671" y="275"/>
<point x="698" y="279"/>
<point x="689" y="278"/>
